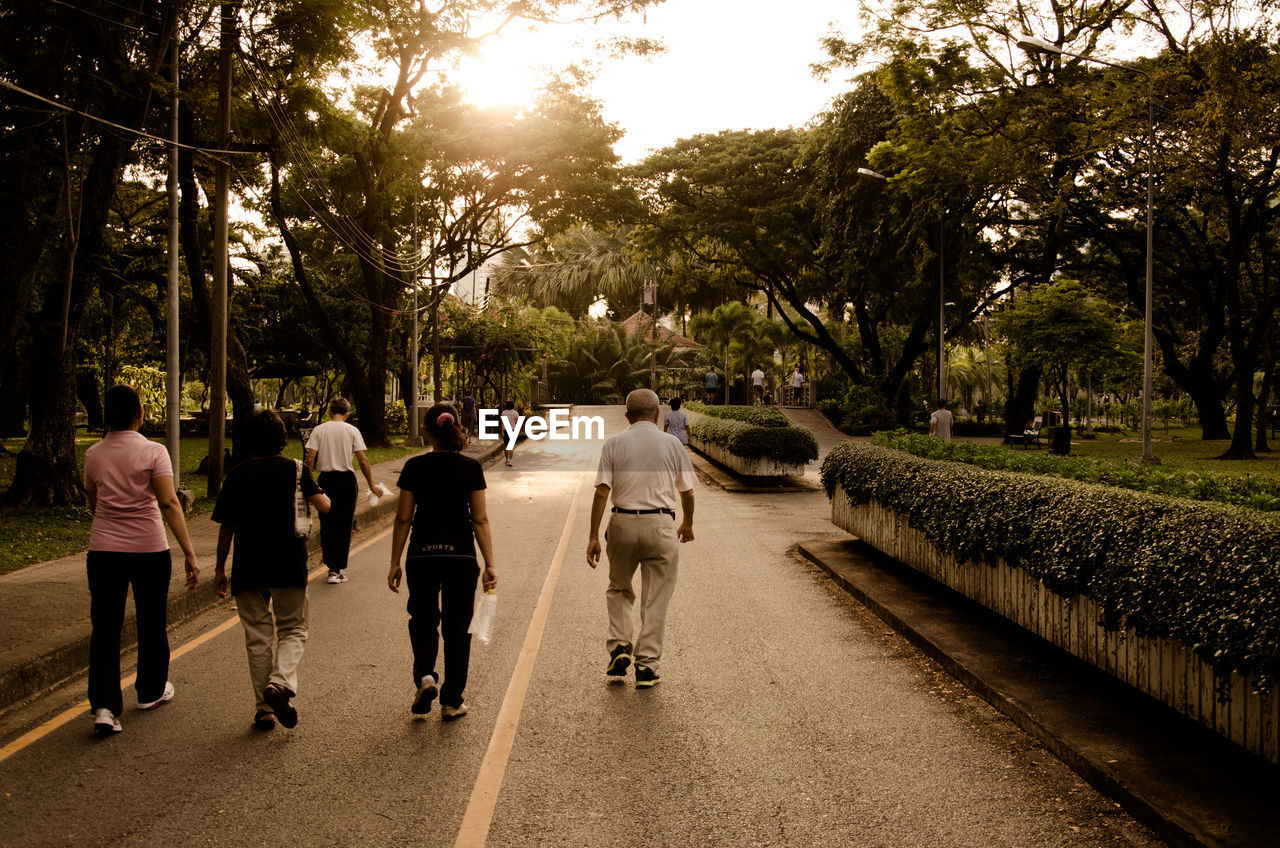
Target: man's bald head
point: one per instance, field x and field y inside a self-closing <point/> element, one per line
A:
<point x="642" y="405"/>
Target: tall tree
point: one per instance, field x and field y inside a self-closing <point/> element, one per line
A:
<point x="103" y="60"/>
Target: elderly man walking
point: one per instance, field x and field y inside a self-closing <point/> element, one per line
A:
<point x="643" y="469"/>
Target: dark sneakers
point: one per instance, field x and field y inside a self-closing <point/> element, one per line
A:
<point x="619" y="661"/>
<point x="427" y="691"/>
<point x="277" y="697"/>
<point x="263" y="720"/>
<point x="646" y="677"/>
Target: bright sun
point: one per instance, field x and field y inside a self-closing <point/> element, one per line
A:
<point x="510" y="70"/>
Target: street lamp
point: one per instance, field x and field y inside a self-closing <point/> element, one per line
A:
<point x="942" y="340"/>
<point x="1038" y="46"/>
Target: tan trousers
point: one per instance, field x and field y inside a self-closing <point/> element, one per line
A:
<point x="274" y="641"/>
<point x="648" y="542"/>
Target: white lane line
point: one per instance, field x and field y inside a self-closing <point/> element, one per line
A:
<point x="80" y="707"/>
<point x="474" y="831"/>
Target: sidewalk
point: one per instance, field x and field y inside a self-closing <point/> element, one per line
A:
<point x="44" y="608"/>
<point x="1190" y="786"/>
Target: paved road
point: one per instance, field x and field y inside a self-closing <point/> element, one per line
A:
<point x="787" y="716"/>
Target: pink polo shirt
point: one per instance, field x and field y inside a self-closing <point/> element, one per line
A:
<point x="118" y="471"/>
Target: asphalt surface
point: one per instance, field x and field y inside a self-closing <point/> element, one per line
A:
<point x="787" y="715"/>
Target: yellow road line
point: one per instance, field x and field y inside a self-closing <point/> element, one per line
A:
<point x="474" y="831"/>
<point x="80" y="707"/>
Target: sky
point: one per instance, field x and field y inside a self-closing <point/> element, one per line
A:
<point x="729" y="64"/>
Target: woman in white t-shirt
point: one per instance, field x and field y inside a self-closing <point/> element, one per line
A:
<point x="329" y="451"/>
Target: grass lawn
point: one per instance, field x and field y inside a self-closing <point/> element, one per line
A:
<point x="1177" y="448"/>
<point x="30" y="536"/>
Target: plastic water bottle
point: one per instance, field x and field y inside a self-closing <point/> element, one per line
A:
<point x="482" y="622"/>
<point x="377" y="492"/>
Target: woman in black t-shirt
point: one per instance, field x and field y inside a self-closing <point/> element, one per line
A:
<point x="442" y="499"/>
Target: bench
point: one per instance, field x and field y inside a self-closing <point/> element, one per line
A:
<point x="1029" y="436"/>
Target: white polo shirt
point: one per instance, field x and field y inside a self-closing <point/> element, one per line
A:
<point x="334" y="443"/>
<point x="645" y="467"/>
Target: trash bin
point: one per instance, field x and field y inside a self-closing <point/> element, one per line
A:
<point x="1060" y="440"/>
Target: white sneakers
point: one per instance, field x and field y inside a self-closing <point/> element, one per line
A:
<point x="336" y="577"/>
<point x="164" y="698"/>
<point x="452" y="713"/>
<point x="105" y="723"/>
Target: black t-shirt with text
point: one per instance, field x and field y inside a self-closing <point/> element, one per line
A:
<point x="257" y="501"/>
<point x="442" y="483"/>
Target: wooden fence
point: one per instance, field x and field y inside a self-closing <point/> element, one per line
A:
<point x="1164" y="669"/>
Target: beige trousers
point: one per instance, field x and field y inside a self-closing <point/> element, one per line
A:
<point x="648" y="542"/>
<point x="275" y="632"/>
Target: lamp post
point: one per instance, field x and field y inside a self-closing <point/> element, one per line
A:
<point x="1038" y="46"/>
<point x="942" y="276"/>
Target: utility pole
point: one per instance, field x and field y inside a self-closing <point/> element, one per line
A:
<point x="436" y="297"/>
<point x="942" y="311"/>
<point x="222" y="183"/>
<point x="173" y="300"/>
<point x="415" y="438"/>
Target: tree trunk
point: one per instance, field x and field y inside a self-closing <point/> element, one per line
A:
<point x="13" y="397"/>
<point x="46" y="474"/>
<point x="1263" y="416"/>
<point x="89" y="392"/>
<point x="1020" y="407"/>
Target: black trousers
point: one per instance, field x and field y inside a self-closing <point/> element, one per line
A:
<point x="110" y="576"/>
<point x="442" y="593"/>
<point x="335" y="526"/>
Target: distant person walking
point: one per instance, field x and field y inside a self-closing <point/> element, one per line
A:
<point x="329" y="451"/>
<point x="711" y="386"/>
<point x="129" y="481"/>
<point x="257" y="508"/>
<point x="757" y="385"/>
<point x="797" y="386"/>
<point x="940" y="422"/>
<point x="468" y="413"/>
<point x="442" y="500"/>
<point x="642" y="469"/>
<point x="511" y="417"/>
<point x="676" y="422"/>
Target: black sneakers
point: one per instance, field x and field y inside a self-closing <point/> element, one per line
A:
<point x="619" y="661"/>
<point x="646" y="677"/>
<point x="263" y="720"/>
<point x="277" y="697"/>
<point x="427" y="691"/>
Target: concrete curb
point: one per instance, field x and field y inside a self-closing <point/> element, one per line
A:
<point x="1188" y="785"/>
<point x="724" y="479"/>
<point x="26" y="680"/>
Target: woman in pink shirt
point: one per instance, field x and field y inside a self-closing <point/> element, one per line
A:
<point x="129" y="481"/>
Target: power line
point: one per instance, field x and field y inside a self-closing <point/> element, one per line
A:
<point x="209" y="151"/>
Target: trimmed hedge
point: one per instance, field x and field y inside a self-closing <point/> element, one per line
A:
<point x="786" y="444"/>
<point x="1206" y="575"/>
<point x="1251" y="490"/>
<point x="760" y="416"/>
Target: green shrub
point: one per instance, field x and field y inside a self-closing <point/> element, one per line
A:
<point x="789" y="444"/>
<point x="760" y="416"/>
<point x="1206" y="575"/>
<point x="1251" y="490"/>
<point x="397" y="418"/>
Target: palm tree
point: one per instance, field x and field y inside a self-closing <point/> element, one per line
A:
<point x="730" y="329"/>
<point x="579" y="267"/>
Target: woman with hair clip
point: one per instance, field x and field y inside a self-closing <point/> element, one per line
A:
<point x="442" y="500"/>
<point x="129" y="481"/>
